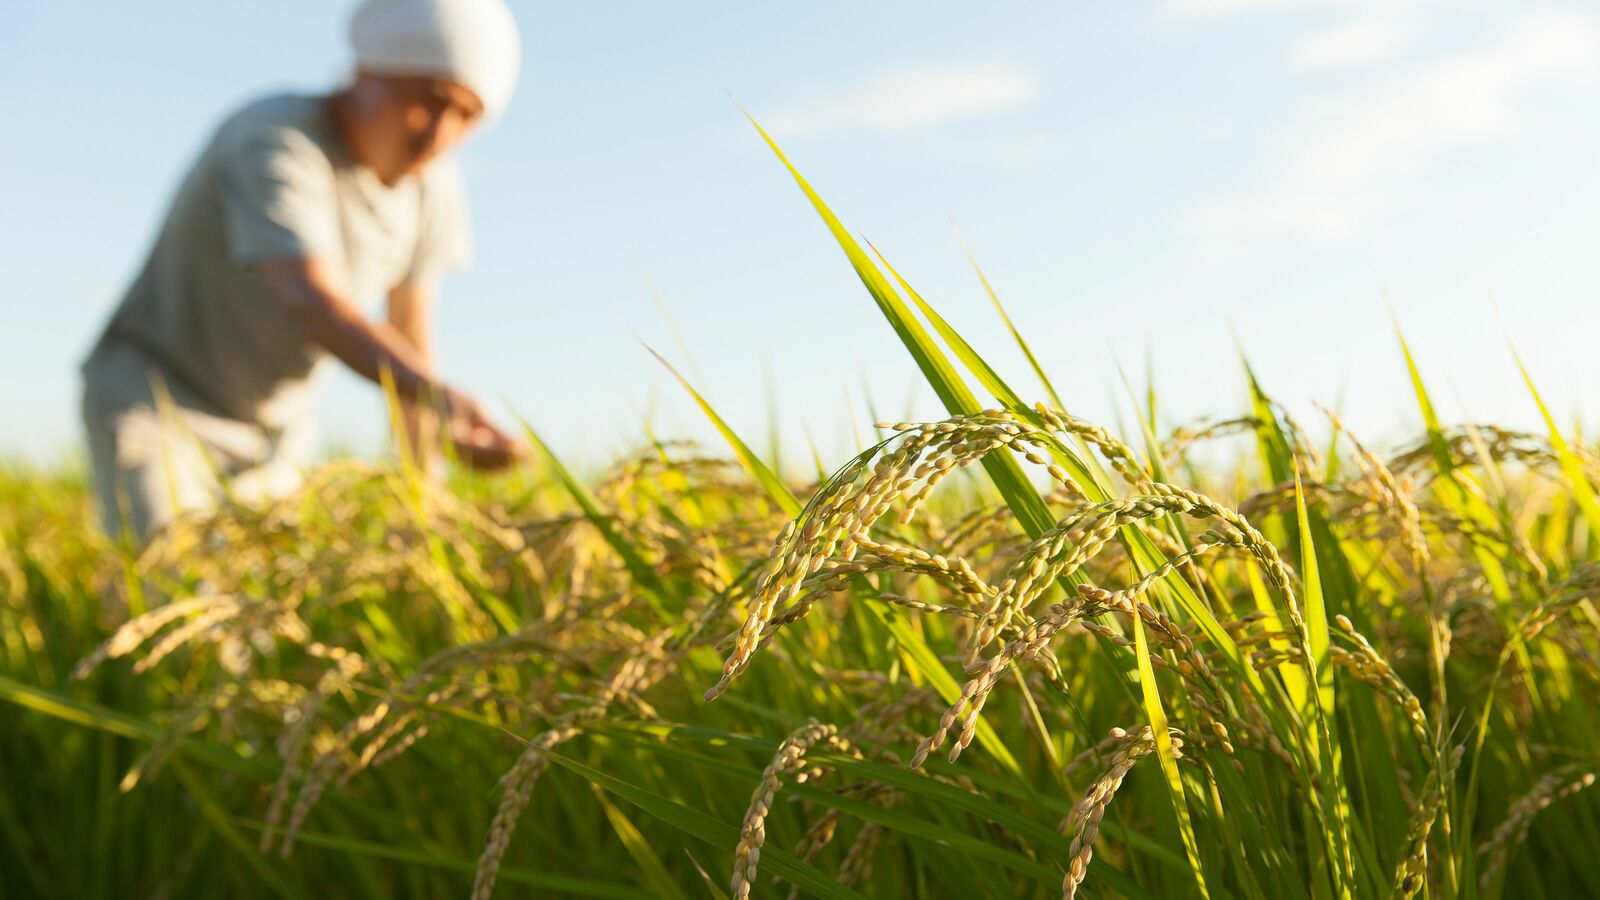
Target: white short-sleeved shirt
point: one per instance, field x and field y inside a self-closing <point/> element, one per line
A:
<point x="276" y="181"/>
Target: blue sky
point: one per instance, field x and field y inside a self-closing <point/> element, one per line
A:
<point x="1140" y="181"/>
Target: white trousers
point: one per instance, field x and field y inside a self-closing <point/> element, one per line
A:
<point x="159" y="450"/>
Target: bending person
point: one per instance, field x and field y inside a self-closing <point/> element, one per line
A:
<point x="302" y="214"/>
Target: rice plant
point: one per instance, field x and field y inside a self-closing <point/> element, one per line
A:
<point x="1008" y="652"/>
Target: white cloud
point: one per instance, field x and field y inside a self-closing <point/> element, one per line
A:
<point x="1345" y="153"/>
<point x="1349" y="44"/>
<point x="909" y="97"/>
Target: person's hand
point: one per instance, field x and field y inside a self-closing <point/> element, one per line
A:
<point x="478" y="442"/>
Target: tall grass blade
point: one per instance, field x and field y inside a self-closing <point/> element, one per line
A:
<point x="1167" y="758"/>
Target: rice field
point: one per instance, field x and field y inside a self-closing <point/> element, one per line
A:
<point x="1004" y="653"/>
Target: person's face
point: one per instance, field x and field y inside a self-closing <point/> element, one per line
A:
<point x="407" y="121"/>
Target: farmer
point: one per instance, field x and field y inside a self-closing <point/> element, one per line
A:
<point x="300" y="214"/>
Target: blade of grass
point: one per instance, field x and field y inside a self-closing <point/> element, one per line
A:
<point x="1167" y="758"/>
<point x="699" y="825"/>
<point x="213" y="813"/>
<point x="1571" y="467"/>
<point x="655" y="875"/>
<point x="1011" y="327"/>
<point x="1320" y="670"/>
<point x="769" y="480"/>
<point x="637" y="567"/>
<point x="580" y="887"/>
<point x="936" y="369"/>
<point x="1457" y="499"/>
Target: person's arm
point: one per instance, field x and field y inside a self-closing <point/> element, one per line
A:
<point x="410" y="313"/>
<point x="321" y="315"/>
<point x="312" y="301"/>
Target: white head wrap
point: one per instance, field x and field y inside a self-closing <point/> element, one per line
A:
<point x="471" y="42"/>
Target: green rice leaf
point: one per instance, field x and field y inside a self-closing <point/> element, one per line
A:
<point x="697" y="824"/>
<point x="655" y="875"/>
<point x="637" y="567"/>
<point x="1571" y="466"/>
<point x="1164" y="753"/>
<point x="764" y="476"/>
<point x="1326" y="735"/>
<point x="1011" y="327"/>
